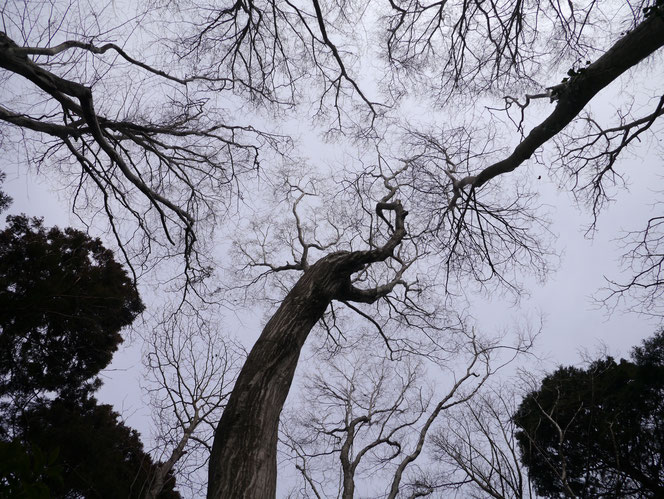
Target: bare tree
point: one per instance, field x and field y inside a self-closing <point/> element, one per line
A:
<point x="273" y="52"/>
<point x="477" y="450"/>
<point x="245" y="446"/>
<point x="248" y="463"/>
<point x="165" y="168"/>
<point x="354" y="415"/>
<point x="365" y="416"/>
<point x="644" y="256"/>
<point x="191" y="368"/>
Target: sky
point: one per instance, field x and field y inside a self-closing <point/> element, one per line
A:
<point x="573" y="326"/>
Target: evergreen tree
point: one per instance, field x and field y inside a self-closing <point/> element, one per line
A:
<point x="63" y="302"/>
<point x="599" y="431"/>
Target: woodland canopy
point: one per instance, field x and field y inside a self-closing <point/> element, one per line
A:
<point x="356" y="169"/>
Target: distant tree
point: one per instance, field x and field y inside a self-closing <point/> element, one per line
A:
<point x="477" y="449"/>
<point x="191" y="368"/>
<point x="63" y="301"/>
<point x="598" y="432"/>
<point x="367" y="417"/>
<point x="651" y="354"/>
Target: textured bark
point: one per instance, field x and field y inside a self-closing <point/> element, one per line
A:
<point x="243" y="462"/>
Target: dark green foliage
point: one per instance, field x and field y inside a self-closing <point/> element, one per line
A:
<point x="5" y="199"/>
<point x="610" y="418"/>
<point x="63" y="301"/>
<point x="97" y="455"/>
<point x="25" y="474"/>
<point x="651" y="354"/>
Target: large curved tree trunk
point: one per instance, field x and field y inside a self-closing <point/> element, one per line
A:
<point x="243" y="462"/>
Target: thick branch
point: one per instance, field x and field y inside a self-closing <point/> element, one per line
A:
<point x="24" y="121"/>
<point x="69" y="44"/>
<point x="60" y="89"/>
<point x="572" y="96"/>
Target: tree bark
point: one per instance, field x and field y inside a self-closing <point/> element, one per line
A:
<point x="243" y="462"/>
<point x="348" y="465"/>
<point x="572" y="96"/>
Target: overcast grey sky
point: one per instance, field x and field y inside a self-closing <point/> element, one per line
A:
<point x="573" y="323"/>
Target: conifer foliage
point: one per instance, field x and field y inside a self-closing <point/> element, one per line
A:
<point x="63" y="303"/>
<point x="598" y="431"/>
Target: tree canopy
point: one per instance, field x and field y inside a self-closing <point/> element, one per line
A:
<point x="175" y="128"/>
<point x="598" y="431"/>
<point x="63" y="301"/>
<point x="95" y="453"/>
